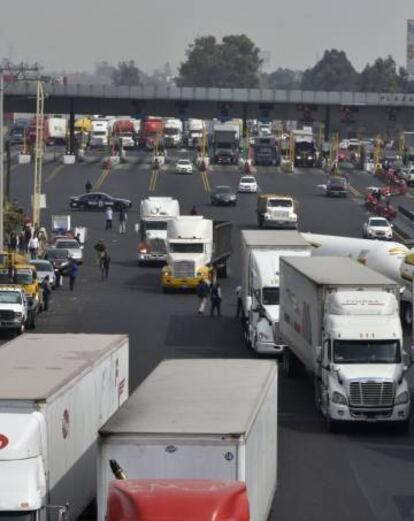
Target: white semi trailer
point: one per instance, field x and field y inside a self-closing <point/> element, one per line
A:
<point x="261" y="251"/>
<point x="341" y="321"/>
<point x="56" y="391"/>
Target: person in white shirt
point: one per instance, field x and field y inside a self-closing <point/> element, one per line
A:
<point x="108" y="218"/>
<point x="33" y="247"/>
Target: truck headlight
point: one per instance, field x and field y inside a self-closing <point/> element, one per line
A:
<point x="310" y="158"/>
<point x="402" y="398"/>
<point x="18" y="314"/>
<point x="297" y="157"/>
<point x="338" y="397"/>
<point x="263" y="336"/>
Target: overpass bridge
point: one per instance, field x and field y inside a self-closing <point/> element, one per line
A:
<point x="349" y="112"/>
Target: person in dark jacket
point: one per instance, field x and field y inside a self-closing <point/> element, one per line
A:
<point x="73" y="273"/>
<point x="45" y="285"/>
<point x="215" y="299"/>
<point x="202" y="290"/>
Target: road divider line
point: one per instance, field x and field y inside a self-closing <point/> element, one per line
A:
<point x="153" y="180"/>
<point x="354" y="191"/>
<point x="205" y="181"/>
<point x="101" y="179"/>
<point x="54" y="173"/>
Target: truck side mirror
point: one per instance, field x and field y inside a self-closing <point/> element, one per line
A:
<point x="318" y="351"/>
<point x="249" y="303"/>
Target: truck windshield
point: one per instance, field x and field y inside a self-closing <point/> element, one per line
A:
<point x="367" y="352"/>
<point x="10" y="297"/>
<point x="183" y="247"/>
<point x="24" y="277"/>
<point x="155" y="225"/>
<point x="284" y="203"/>
<point x="270" y="296"/>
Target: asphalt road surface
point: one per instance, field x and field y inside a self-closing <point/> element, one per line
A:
<point x="360" y="474"/>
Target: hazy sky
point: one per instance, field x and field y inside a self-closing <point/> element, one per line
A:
<point x="75" y="34"/>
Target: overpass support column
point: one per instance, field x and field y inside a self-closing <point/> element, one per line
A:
<point x="72" y="127"/>
<point x="327" y="123"/>
<point x="244" y="120"/>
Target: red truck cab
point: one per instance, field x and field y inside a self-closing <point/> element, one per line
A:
<point x="177" y="500"/>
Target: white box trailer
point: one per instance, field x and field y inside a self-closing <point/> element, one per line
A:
<point x="56" y="391"/>
<point x="261" y="251"/>
<point x="198" y="419"/>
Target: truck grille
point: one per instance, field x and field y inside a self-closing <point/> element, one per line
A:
<point x="6" y="314"/>
<point x="371" y="394"/>
<point x="183" y="269"/>
<point x="157" y="246"/>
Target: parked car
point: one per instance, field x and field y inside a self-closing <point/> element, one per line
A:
<point x="248" y="183"/>
<point x="44" y="268"/>
<point x="183" y="166"/>
<point x="223" y="195"/>
<point x="59" y="258"/>
<point x="377" y="228"/>
<point x="72" y="246"/>
<point x="98" y="201"/>
<point x="14" y="312"/>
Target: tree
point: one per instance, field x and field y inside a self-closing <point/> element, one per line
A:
<point x="334" y="72"/>
<point x="381" y="76"/>
<point x="126" y="74"/>
<point x="284" y="79"/>
<point x="233" y="63"/>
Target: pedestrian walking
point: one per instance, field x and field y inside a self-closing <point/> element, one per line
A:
<point x="45" y="285"/>
<point x="215" y="300"/>
<point x="238" y="292"/>
<point x="202" y="290"/>
<point x="88" y="186"/>
<point x="104" y="264"/>
<point x="33" y="247"/>
<point x="12" y="241"/>
<point x="73" y="273"/>
<point x="193" y="210"/>
<point x="123" y="219"/>
<point x="22" y="243"/>
<point x="108" y="218"/>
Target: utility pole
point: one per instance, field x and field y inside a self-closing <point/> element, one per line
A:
<point x="18" y="70"/>
<point x="38" y="162"/>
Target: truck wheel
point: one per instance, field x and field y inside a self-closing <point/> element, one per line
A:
<point x="246" y="335"/>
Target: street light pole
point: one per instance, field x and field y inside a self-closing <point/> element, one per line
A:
<point x="37" y="177"/>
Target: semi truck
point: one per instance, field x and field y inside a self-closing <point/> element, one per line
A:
<point x="305" y="149"/>
<point x="155" y="212"/>
<point x="261" y="252"/>
<point x="58" y="129"/>
<point x="392" y="259"/>
<point x="340" y="320"/>
<point x="264" y="150"/>
<point x="123" y="133"/>
<point x="150" y="132"/>
<point x="194" y="132"/>
<point x="56" y="391"/>
<point x="277" y="211"/>
<point x="173" y="132"/>
<point x="193" y="420"/>
<point x="225" y="143"/>
<point x="99" y="133"/>
<point x="198" y="248"/>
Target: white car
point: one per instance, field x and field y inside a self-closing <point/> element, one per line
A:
<point x="377" y="228"/>
<point x="408" y="175"/>
<point x="43" y="268"/>
<point x="183" y="166"/>
<point x="248" y="183"/>
<point x="73" y="247"/>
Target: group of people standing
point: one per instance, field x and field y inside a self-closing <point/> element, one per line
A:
<point x="122" y="216"/>
<point x="29" y="240"/>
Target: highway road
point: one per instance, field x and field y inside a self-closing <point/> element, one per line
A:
<point x="360" y="474"/>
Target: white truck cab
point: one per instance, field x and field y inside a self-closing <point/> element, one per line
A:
<point x="13" y="308"/>
<point x="276" y="210"/>
<point x="341" y="321"/>
<point x="155" y="212"/>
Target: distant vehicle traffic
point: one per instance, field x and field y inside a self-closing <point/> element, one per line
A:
<point x="248" y="183"/>
<point x="98" y="201"/>
<point x="223" y="195"/>
<point x="377" y="228"/>
<point x="183" y="166"/>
